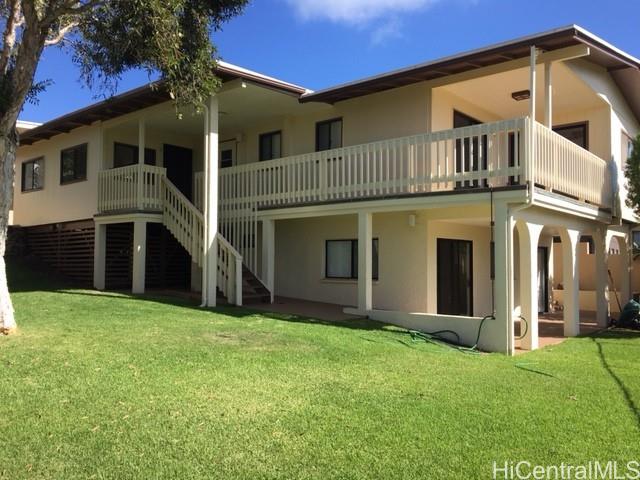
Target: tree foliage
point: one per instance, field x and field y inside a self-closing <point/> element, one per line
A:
<point x="170" y="39"/>
<point x="632" y="174"/>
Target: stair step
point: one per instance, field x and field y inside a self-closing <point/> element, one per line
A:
<point x="249" y="299"/>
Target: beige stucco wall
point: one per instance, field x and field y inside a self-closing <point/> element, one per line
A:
<point x="407" y="260"/>
<point x="300" y="261"/>
<point x="621" y="119"/>
<point x="394" y="113"/>
<point x="55" y="202"/>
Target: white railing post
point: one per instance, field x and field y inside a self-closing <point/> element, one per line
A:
<point x="322" y="173"/>
<point x="140" y="172"/>
<point x="238" y="280"/>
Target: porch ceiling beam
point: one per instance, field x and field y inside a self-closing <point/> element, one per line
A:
<point x="562" y="54"/>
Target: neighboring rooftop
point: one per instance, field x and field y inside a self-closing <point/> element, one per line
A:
<point x="23" y="125"/>
<point x="624" y="69"/>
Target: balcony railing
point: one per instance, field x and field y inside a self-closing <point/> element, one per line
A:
<point x="491" y="155"/>
<point x="487" y="155"/>
<point x="135" y="187"/>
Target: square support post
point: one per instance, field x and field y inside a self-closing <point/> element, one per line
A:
<point x="532" y="83"/>
<point x="602" y="277"/>
<point x="548" y="95"/>
<point x="141" y="147"/>
<point x="99" y="256"/>
<point x="365" y="263"/>
<point x="139" y="256"/>
<point x="503" y="281"/>
<point x="211" y="203"/>
<point x="269" y="255"/>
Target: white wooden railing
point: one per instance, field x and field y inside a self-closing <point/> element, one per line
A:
<point x="229" y="271"/>
<point x="488" y="154"/>
<point x="562" y="166"/>
<point x="184" y="221"/>
<point x="493" y="155"/>
<point x="132" y="187"/>
<point x="198" y="193"/>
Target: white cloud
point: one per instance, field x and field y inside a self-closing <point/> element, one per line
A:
<point x="387" y="31"/>
<point x="355" y="12"/>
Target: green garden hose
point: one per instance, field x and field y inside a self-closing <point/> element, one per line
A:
<point x="438" y="338"/>
<point x="526" y="328"/>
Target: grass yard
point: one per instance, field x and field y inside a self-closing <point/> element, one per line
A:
<point x="108" y="386"/>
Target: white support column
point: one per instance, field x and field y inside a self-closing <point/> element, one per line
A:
<point x="548" y="95"/>
<point x="532" y="83"/>
<point x="529" y="235"/>
<point x="571" y="281"/>
<point x="211" y="203"/>
<point x="99" y="256"/>
<point x="503" y="281"/>
<point x="602" y="277"/>
<point x="365" y="264"/>
<point x="429" y="110"/>
<point x="139" y="256"/>
<point x="269" y="255"/>
<point x="625" y="281"/>
<point x="141" y="147"/>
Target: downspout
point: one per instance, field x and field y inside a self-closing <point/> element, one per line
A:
<point x="205" y="203"/>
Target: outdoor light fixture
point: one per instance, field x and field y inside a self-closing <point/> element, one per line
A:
<point x="521" y="95"/>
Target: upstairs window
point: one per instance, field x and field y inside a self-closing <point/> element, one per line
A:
<point x="576" y="132"/>
<point x="342" y="259"/>
<point x="73" y="164"/>
<point x="33" y="175"/>
<point x="270" y="145"/>
<point x="124" y="155"/>
<point x="329" y="134"/>
<point x="226" y="158"/>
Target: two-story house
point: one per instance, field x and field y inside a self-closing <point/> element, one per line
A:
<point x="472" y="187"/>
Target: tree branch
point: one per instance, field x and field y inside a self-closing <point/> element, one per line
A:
<point x="14" y="21"/>
<point x="59" y="36"/>
<point x="71" y="8"/>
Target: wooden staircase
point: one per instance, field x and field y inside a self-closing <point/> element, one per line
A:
<point x="186" y="223"/>
<point x="253" y="290"/>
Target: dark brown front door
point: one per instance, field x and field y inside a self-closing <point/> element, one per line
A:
<point x="179" y="164"/>
<point x="455" y="277"/>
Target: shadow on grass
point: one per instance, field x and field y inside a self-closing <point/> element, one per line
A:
<point x="27" y="275"/>
<point x="624" y="390"/>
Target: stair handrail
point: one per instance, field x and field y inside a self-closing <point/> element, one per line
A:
<point x="233" y="288"/>
<point x="196" y="236"/>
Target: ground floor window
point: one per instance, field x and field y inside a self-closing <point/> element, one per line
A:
<point x="342" y="259"/>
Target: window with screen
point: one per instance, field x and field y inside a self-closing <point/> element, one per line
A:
<point x="125" y="155"/>
<point x="576" y="132"/>
<point x="73" y="164"/>
<point x="32" y="175"/>
<point x="329" y="134"/>
<point x="342" y="259"/>
<point x="270" y="146"/>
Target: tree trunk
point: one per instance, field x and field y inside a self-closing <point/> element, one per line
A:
<point x="8" y="144"/>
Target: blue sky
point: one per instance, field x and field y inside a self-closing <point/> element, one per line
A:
<point x="321" y="43"/>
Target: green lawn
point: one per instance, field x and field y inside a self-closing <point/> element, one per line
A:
<point x="109" y="386"/>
